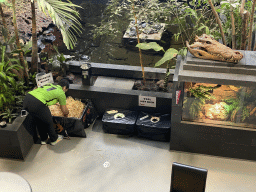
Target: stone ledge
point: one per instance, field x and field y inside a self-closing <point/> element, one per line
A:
<point x="105" y="97"/>
<point x="122" y="71"/>
<point x="219" y="69"/>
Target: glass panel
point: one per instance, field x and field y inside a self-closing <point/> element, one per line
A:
<point x="220" y="104"/>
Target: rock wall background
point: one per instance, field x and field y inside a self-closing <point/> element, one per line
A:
<point x="24" y="19"/>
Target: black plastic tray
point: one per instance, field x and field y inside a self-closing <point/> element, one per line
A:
<point x="75" y="126"/>
<point x="121" y="126"/>
<point x="154" y="126"/>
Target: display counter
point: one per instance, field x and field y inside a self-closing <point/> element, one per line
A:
<point x="214" y="110"/>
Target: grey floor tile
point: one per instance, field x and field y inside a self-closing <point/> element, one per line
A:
<point x="134" y="164"/>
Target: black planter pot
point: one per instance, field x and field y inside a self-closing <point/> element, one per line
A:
<point x="16" y="139"/>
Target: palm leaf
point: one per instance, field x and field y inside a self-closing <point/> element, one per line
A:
<point x="64" y="17"/>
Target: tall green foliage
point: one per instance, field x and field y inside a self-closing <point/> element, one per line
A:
<point x="238" y="108"/>
<point x="169" y="54"/>
<point x="7" y="77"/>
<point x="224" y="9"/>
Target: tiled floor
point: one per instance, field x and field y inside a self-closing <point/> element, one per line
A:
<point x="110" y="163"/>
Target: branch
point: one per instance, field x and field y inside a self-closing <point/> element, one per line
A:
<point x="233" y="28"/>
<point x="218" y="21"/>
<point x="250" y="30"/>
<point x="242" y="7"/>
<point x="245" y="18"/>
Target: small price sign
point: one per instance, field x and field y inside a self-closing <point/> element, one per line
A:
<point x="147" y="101"/>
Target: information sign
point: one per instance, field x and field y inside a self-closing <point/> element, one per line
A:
<point x="147" y="101"/>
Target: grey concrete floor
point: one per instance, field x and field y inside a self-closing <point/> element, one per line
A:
<point x="105" y="163"/>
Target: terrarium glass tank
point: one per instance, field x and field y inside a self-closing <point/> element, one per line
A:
<point x="220" y="104"/>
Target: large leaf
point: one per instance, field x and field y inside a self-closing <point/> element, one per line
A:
<point x="64" y="17"/>
<point x="169" y="54"/>
<point x="151" y="45"/>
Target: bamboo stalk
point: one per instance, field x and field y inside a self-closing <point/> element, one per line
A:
<point x="138" y="39"/>
<point x="218" y="21"/>
<point x="251" y="24"/>
<point x="166" y="77"/>
<point x="233" y="29"/>
<point x="242" y="7"/>
<point x="245" y="18"/>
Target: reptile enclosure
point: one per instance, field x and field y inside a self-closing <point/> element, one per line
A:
<point x="214" y="105"/>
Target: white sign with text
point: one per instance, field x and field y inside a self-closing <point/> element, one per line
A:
<point x="147" y="101"/>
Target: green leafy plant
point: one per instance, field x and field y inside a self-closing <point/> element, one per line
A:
<point x="229" y="9"/>
<point x="32" y="79"/>
<point x="238" y="107"/>
<point x="7" y="77"/>
<point x="6" y="98"/>
<point x="201" y="94"/>
<point x="191" y="19"/>
<point x="19" y="102"/>
<point x="202" y="91"/>
<point x="61" y="58"/>
<point x="169" y="54"/>
<point x="194" y="106"/>
<point x="19" y="88"/>
<point x="9" y="115"/>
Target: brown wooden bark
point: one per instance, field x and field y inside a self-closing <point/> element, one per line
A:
<point x="245" y="18"/>
<point x="242" y="7"/>
<point x="18" y="43"/>
<point x="233" y="29"/>
<point x="34" y="61"/>
<point x="218" y="21"/>
<point x="251" y="24"/>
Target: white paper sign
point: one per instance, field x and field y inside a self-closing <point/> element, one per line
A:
<point x="42" y="80"/>
<point x="147" y="101"/>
